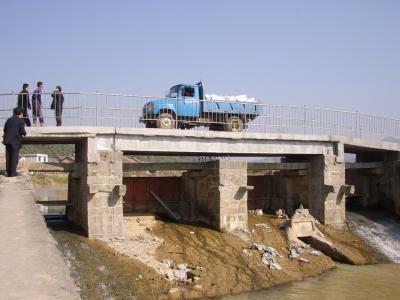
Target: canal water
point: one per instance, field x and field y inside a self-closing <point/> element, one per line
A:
<point x="345" y="282"/>
<point x="380" y="230"/>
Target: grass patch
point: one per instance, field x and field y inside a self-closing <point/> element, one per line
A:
<point x="43" y="179"/>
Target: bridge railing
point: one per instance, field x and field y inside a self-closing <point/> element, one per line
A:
<point x="118" y="110"/>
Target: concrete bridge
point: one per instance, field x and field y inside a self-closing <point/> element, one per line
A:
<point x="313" y="172"/>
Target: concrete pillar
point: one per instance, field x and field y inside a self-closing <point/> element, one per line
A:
<point x="327" y="189"/>
<point x="96" y="191"/>
<point x="217" y="196"/>
<point x="392" y="181"/>
<point x="379" y="187"/>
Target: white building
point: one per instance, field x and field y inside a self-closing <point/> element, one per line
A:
<point x="35" y="157"/>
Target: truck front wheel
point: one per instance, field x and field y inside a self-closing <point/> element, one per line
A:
<point x="234" y="124"/>
<point x="165" y="121"/>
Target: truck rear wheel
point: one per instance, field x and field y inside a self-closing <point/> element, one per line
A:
<point x="165" y="121"/>
<point x="234" y="124"/>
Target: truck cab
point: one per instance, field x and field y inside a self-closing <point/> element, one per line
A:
<point x="182" y="102"/>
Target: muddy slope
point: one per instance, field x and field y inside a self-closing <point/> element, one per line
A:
<point x="227" y="269"/>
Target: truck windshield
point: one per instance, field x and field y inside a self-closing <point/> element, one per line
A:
<point x="173" y="92"/>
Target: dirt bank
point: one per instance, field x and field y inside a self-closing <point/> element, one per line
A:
<point x="138" y="265"/>
<point x="221" y="262"/>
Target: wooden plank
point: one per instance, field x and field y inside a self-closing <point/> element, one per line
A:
<point x="170" y="212"/>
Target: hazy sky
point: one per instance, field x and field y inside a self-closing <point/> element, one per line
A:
<point x="333" y="54"/>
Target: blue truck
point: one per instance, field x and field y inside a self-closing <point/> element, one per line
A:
<point x="184" y="107"/>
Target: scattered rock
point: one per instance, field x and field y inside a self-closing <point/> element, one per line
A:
<point x="192" y="232"/>
<point x="315" y="253"/>
<point x="257" y="212"/>
<point x="168" y="262"/>
<point x="201" y="269"/>
<point x="102" y="269"/>
<point x="280" y="213"/>
<point x="246" y="252"/>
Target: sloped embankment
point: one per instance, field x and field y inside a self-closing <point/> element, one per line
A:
<point x="229" y="265"/>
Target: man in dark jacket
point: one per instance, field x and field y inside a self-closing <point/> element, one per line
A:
<point x="14" y="130"/>
<point x="37" y="105"/>
<point x="57" y="103"/>
<point x="24" y="103"/>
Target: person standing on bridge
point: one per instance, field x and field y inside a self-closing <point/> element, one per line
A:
<point x="24" y="103"/>
<point x="37" y="111"/>
<point x="57" y="104"/>
<point x="14" y="130"/>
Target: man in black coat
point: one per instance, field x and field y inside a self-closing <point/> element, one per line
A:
<point x="14" y="130"/>
<point x="24" y="103"/>
<point x="57" y="103"/>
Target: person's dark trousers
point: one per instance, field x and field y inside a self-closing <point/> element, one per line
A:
<point x="58" y="112"/>
<point x="12" y="156"/>
<point x="27" y="122"/>
<point x="26" y="118"/>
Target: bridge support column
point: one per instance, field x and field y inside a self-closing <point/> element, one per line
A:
<point x="327" y="189"/>
<point x="390" y="183"/>
<point x="217" y="196"/>
<point x="96" y="192"/>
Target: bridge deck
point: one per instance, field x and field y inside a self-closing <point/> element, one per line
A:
<point x="192" y="142"/>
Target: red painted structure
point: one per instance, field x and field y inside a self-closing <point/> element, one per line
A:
<point x="139" y="199"/>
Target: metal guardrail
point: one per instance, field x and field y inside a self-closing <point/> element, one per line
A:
<point x="119" y="110"/>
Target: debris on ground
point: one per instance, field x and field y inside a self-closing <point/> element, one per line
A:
<point x="180" y="273"/>
<point x="257" y="212"/>
<point x="192" y="232"/>
<point x="268" y="255"/>
<point x="295" y="250"/>
<point x="303" y="260"/>
<point x="247" y="231"/>
<point x="264" y="226"/>
<point x="281" y="213"/>
<point x="246" y="252"/>
<point x="169" y="262"/>
<point x="315" y="253"/>
<point x="201" y="269"/>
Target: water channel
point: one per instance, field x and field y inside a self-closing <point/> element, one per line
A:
<point x="345" y="282"/>
<point x="379" y="281"/>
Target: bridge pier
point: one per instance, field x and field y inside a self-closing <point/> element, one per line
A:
<point x="96" y="191"/>
<point x="217" y="195"/>
<point x="327" y="189"/>
<point x="377" y="180"/>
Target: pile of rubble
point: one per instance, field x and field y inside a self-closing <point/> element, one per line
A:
<point x="268" y="255"/>
<point x="182" y="272"/>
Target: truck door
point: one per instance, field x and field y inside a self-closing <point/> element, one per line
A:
<point x="188" y="104"/>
